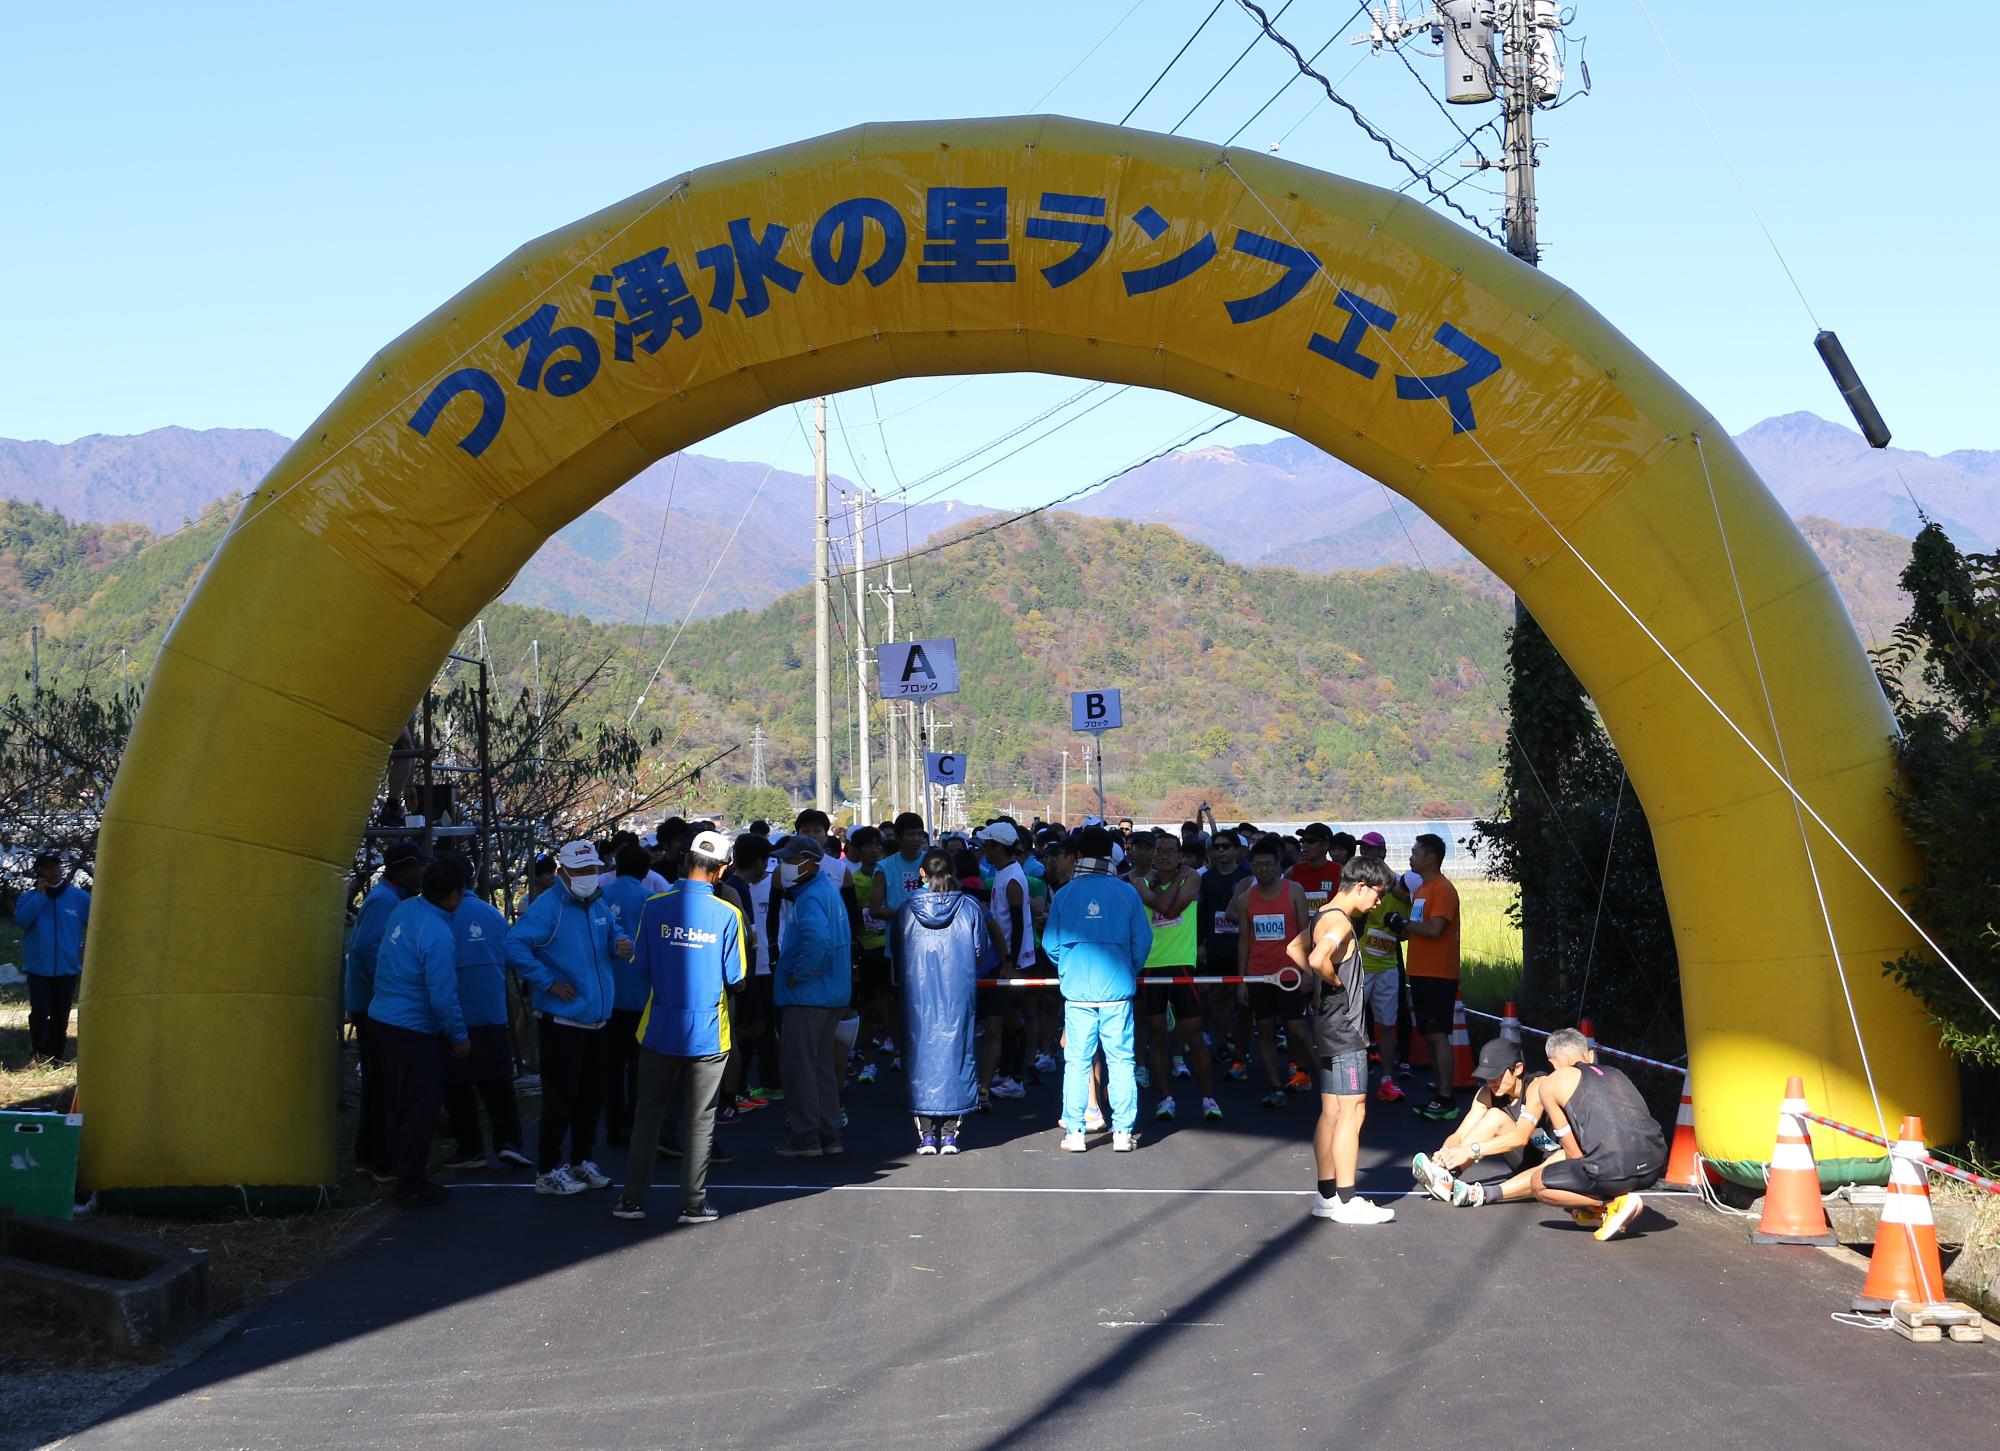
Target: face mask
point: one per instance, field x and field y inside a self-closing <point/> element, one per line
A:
<point x="581" y="887"/>
<point x="788" y="875"/>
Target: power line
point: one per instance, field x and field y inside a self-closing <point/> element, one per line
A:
<point x="1359" y="11"/>
<point x="1226" y="74"/>
<point x="1175" y="61"/>
<point x="1087" y="55"/>
<point x="1360" y="120"/>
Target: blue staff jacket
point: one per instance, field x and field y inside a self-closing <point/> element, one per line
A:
<point x="481" y="934"/>
<point x="560" y="937"/>
<point x="358" y="984"/>
<point x="52" y="930"/>
<point x="416" y="972"/>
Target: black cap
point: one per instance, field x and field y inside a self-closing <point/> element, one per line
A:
<point x="1495" y="1059"/>
<point x="397" y="853"/>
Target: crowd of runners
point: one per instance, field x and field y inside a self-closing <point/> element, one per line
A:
<point x="657" y="990"/>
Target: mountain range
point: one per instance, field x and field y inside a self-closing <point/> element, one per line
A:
<point x="742" y="532"/>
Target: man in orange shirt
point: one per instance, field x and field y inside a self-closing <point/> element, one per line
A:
<point x="1430" y="961"/>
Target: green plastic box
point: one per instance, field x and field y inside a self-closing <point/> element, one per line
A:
<point x="38" y="1163"/>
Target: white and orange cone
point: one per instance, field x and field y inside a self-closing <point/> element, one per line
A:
<point x="1793" y="1211"/>
<point x="1683" y="1163"/>
<point x="1461" y="1047"/>
<point x="1905" y="1265"/>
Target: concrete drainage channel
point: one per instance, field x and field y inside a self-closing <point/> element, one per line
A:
<point x="134" y="1293"/>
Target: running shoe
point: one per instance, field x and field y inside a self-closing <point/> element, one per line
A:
<point x="800" y="1149"/>
<point x="1094" y="1123"/>
<point x="1618" y="1216"/>
<point x="700" y="1214"/>
<point x="1046" y="1063"/>
<point x="1124" y="1143"/>
<point x="888" y="1047"/>
<point x="1441" y="1109"/>
<point x="1387" y="1092"/>
<point x="1298" y="1083"/>
<point x="1404" y="1070"/>
<point x="927" y="1145"/>
<point x="1586" y="1218"/>
<point x="1143" y="1075"/>
<point x="1361" y="1211"/>
<point x="896" y="1064"/>
<point x="1468" y="1196"/>
<point x="1074" y="1143"/>
<point x="1181" y="1070"/>
<point x="467" y="1161"/>
<point x="769" y="1095"/>
<point x="590" y="1175"/>
<point x="866" y="1075"/>
<point x="512" y="1155"/>
<point x="558" y="1181"/>
<point x="948" y="1144"/>
<point x="1237" y="1071"/>
<point x="1008" y="1088"/>
<point x="727" y="1114"/>
<point x="985" y="1101"/>
<point x="1210" y="1109"/>
<point x="1432" y="1177"/>
<point x="621" y="1210"/>
<point x="843" y="1118"/>
<point x="1275" y="1099"/>
<point x="1166" y="1108"/>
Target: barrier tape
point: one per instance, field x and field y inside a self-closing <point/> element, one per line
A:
<point x="1608" y="1052"/>
<point x="1950" y="1171"/>
<point x="1286" y="979"/>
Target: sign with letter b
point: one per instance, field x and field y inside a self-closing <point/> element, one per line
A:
<point x="916" y="669"/>
<point x="1095" y="710"/>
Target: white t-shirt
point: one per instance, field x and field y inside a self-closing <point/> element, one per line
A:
<point x="655" y="883"/>
<point x="1022" y="953"/>
<point x="760" y="913"/>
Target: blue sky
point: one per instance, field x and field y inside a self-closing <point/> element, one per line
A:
<point x="217" y="213"/>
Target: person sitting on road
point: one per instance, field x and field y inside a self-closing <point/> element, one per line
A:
<point x="943" y="945"/>
<point x="1612" y="1147"/>
<point x="1505" y="1118"/>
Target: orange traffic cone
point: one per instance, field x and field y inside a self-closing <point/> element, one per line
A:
<point x="1510" y="1024"/>
<point x="1589" y="1032"/>
<point x="1683" y="1164"/>
<point x="1905" y="1264"/>
<point x="1793" y="1213"/>
<point x="1461" y="1047"/>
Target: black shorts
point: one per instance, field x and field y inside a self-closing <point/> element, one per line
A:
<point x="1273" y="1004"/>
<point x="871" y="975"/>
<point x="1431" y="1002"/>
<point x="997" y="1002"/>
<point x="1603" y="1175"/>
<point x="1164" y="991"/>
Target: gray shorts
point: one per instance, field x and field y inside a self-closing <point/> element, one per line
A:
<point x="1344" y="1074"/>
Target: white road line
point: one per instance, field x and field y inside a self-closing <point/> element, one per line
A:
<point x="1023" y="1189"/>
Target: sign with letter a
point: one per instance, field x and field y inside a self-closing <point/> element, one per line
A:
<point x="1095" y="710"/>
<point x="916" y="669"/>
<point x="944" y="768"/>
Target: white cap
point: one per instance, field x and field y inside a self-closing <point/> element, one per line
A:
<point x="711" y="844"/>
<point x="1001" y="832"/>
<point x="577" y="855"/>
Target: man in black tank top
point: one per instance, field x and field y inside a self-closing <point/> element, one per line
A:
<point x="1612" y="1146"/>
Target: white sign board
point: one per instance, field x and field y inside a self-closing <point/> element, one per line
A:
<point x="1095" y="710"/>
<point x="944" y="768"/>
<point x="916" y="669"/>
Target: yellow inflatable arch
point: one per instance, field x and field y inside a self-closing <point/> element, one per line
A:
<point x="1478" y="388"/>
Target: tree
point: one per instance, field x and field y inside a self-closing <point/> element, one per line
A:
<point x="1948" y="793"/>
<point x="1596" y="935"/>
<point x="59" y="751"/>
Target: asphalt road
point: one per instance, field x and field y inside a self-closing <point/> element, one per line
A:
<point x="1017" y="1296"/>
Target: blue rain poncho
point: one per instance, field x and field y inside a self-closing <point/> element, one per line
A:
<point x="942" y="947"/>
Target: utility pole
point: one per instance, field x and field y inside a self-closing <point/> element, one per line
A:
<point x="757" y="739"/>
<point x="535" y="649"/>
<point x="861" y="656"/>
<point x="895" y="708"/>
<point x="1064" y="817"/>
<point x="822" y="626"/>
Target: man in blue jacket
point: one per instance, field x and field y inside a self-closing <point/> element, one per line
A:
<point x="486" y="1075"/>
<point x="691" y="950"/>
<point x="814" y="983"/>
<point x="417" y="1017"/>
<point x="53" y="914"/>
<point x="403" y="864"/>
<point x="1098" y="936"/>
<point x="564" y="947"/>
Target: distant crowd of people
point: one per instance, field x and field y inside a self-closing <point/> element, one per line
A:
<point x="661" y="988"/>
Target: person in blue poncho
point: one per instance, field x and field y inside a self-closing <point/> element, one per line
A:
<point x="942" y="946"/>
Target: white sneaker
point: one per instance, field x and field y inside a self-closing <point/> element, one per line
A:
<point x="1355" y="1211"/>
<point x="1045" y="1063"/>
<point x="590" y="1175"/>
<point x="1008" y="1088"/>
<point x="1124" y="1143"/>
<point x="1095" y="1123"/>
<point x="557" y="1181"/>
<point x="1075" y="1143"/>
